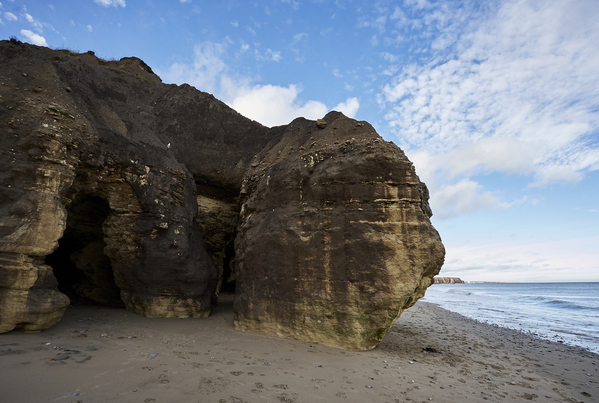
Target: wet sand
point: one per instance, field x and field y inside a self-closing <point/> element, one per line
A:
<point x="97" y="354"/>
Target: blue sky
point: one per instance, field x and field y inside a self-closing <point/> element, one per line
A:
<point x="495" y="102"/>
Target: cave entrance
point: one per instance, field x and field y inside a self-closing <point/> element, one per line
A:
<point x="218" y="214"/>
<point x="83" y="271"/>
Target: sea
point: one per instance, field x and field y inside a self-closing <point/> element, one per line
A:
<point x="563" y="312"/>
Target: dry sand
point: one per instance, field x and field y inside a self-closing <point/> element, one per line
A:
<point x="429" y="355"/>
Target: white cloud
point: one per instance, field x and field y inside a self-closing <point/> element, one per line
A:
<point x="463" y="197"/>
<point x="274" y="105"/>
<point x="271" y="105"/>
<point x="204" y="72"/>
<point x="113" y="3"/>
<point x="34" y="38"/>
<point x="294" y="4"/>
<point x="269" y="55"/>
<point x="32" y="20"/>
<point x="503" y="94"/>
<point x="547" y="261"/>
<point x="89" y="28"/>
<point x="185" y="1"/>
<point x="349" y="107"/>
<point x="10" y="16"/>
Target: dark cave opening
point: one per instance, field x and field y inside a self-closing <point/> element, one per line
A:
<point x="83" y="271"/>
<point x="228" y="285"/>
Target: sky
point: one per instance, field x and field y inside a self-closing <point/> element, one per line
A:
<point x="496" y="102"/>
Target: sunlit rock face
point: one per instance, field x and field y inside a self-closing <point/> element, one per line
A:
<point x="117" y="189"/>
<point x="334" y="237"/>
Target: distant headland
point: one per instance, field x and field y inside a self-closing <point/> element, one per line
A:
<point x="447" y="280"/>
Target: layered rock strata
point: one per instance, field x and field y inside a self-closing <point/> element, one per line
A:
<point x="66" y="139"/>
<point x="334" y="238"/>
<point x="116" y="187"/>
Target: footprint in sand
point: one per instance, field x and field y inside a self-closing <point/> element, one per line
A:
<point x="286" y="399"/>
<point x="163" y="379"/>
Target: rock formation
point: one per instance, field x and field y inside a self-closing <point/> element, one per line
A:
<point x="447" y="280"/>
<point x="117" y="188"/>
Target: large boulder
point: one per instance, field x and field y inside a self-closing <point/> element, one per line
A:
<point x="118" y="189"/>
<point x="334" y="237"/>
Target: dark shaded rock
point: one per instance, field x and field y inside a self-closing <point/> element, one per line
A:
<point x="116" y="187"/>
<point x="62" y="148"/>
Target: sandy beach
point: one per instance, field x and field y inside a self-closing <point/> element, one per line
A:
<point x="98" y="354"/>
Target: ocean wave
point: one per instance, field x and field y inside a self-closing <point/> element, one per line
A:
<point x="567" y="304"/>
<point x="457" y="291"/>
<point x="562" y="303"/>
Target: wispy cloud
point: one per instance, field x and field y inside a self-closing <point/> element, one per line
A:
<point x="552" y="261"/>
<point x="464" y="197"/>
<point x="10" y="16"/>
<point x="271" y="105"/>
<point x="34" y="38"/>
<point x="268" y="55"/>
<point x="36" y="24"/>
<point x="113" y="3"/>
<point x="206" y="69"/>
<point x="294" y="4"/>
<point x="514" y="91"/>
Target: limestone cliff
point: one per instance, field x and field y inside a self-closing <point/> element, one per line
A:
<point x="447" y="280"/>
<point x="116" y="188"/>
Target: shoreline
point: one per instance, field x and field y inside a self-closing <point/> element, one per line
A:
<point x="430" y="354"/>
<point x="523" y="332"/>
<point x="559" y="312"/>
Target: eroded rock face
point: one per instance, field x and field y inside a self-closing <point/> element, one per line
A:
<point x="121" y="189"/>
<point x="334" y="238"/>
<point x="66" y="139"/>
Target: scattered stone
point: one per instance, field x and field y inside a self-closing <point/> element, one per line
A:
<point x="61" y="357"/>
